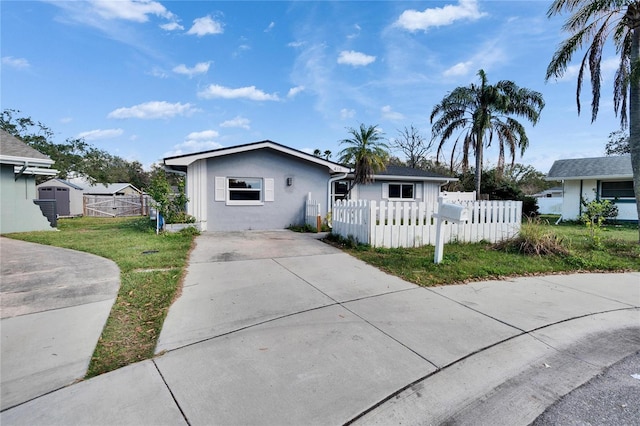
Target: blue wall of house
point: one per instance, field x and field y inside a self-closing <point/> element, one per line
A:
<point x="289" y="201"/>
<point x="18" y="213"/>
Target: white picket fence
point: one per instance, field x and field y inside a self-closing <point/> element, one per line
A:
<point x="312" y="215"/>
<point x="401" y="224"/>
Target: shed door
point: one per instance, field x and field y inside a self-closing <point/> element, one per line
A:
<point x="61" y="195"/>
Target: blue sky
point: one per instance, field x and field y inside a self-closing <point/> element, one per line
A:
<point x="147" y="79"/>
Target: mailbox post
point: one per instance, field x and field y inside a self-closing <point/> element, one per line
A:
<point x="451" y="213"/>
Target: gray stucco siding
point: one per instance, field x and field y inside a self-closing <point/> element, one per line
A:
<point x="287" y="207"/>
<point x="18" y="213"/>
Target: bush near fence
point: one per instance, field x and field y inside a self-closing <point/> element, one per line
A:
<point x="401" y="224"/>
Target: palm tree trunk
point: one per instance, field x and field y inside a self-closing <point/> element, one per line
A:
<point x="478" y="171"/>
<point x="634" y="123"/>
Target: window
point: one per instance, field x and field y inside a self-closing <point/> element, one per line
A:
<point x="244" y="191"/>
<point x="401" y="190"/>
<point x="340" y="190"/>
<point x="620" y="189"/>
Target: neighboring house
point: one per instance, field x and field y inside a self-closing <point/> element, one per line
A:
<point x="550" y="200"/>
<point x="603" y="178"/>
<point x="265" y="185"/>
<point x="398" y="183"/>
<point x="68" y="196"/>
<point x="20" y="164"/>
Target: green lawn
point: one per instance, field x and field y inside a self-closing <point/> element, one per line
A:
<point x="618" y="251"/>
<point x="151" y="268"/>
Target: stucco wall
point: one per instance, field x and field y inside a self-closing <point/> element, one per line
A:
<point x="289" y="201"/>
<point x="18" y="213"/>
<point x="571" y="200"/>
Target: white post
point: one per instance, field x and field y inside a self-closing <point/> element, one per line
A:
<point x="437" y="258"/>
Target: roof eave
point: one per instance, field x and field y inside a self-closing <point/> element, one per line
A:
<point x="596" y="177"/>
<point x="187" y="160"/>
<point x="29" y="161"/>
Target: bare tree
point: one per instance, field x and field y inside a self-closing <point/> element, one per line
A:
<point x="413" y="145"/>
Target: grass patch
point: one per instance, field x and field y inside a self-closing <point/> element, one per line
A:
<point x="151" y="268"/>
<point x="462" y="262"/>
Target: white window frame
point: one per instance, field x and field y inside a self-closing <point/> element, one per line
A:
<point x="258" y="202"/>
<point x="222" y="191"/>
<point x="401" y="184"/>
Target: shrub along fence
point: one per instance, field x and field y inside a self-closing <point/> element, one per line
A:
<point x="401" y="224"/>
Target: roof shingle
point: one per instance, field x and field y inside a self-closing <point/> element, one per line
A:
<point x="594" y="168"/>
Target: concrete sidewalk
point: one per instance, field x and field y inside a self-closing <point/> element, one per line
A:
<point x="278" y="328"/>
<point x="54" y="304"/>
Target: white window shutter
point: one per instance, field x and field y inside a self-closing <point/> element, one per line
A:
<point x="385" y="190"/>
<point x="418" y="190"/>
<point x="269" y="189"/>
<point x="220" y="189"/>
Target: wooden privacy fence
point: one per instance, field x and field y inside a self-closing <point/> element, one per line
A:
<point x="401" y="224"/>
<point x="116" y="205"/>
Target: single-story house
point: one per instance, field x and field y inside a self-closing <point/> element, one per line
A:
<point x="602" y="178"/>
<point x="265" y="185"/>
<point x="69" y="193"/>
<point x="19" y="166"/>
<point x="550" y="200"/>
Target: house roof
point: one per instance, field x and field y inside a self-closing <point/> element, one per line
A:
<point x="181" y="161"/>
<point x="107" y="189"/>
<point x="591" y="168"/>
<point x="62" y="181"/>
<point x="403" y="172"/>
<point x="15" y="151"/>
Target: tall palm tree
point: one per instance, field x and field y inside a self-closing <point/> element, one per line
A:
<point x="478" y="113"/>
<point x="367" y="153"/>
<point x="591" y="24"/>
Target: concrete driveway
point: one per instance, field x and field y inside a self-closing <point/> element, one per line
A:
<point x="278" y="328"/>
<point x="54" y="304"/>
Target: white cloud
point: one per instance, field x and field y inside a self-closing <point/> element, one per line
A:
<point x="205" y="25"/>
<point x="459" y="69"/>
<point x="270" y="27"/>
<point x="199" y="68"/>
<point x="92" y="135"/>
<point x="172" y="26"/>
<point x="346" y="114"/>
<point x="203" y="135"/>
<point x="294" y="91"/>
<point x="240" y="122"/>
<point x="295" y="44"/>
<point x="196" y="142"/>
<point x="158" y="72"/>
<point x="18" y="63"/>
<point x="153" y="110"/>
<point x="354" y="58"/>
<point x="389" y="114"/>
<point x="250" y="92"/>
<point x="130" y="10"/>
<point x="66" y="120"/>
<point x="413" y="20"/>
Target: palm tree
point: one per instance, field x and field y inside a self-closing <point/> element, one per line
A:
<point x="591" y="24"/>
<point x="367" y="153"/>
<point x="478" y="113"/>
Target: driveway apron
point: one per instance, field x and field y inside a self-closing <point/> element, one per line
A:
<point x="275" y="327"/>
<point x="54" y="303"/>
